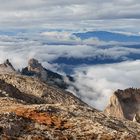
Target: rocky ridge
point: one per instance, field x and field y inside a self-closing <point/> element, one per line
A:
<point x="35" y="90"/>
<point x="35" y="110"/>
<point x="36" y="69"/>
<point x="125" y="104"/>
<point x="7" y="67"/>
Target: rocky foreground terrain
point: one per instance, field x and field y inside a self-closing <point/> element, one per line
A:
<point x="34" y="109"/>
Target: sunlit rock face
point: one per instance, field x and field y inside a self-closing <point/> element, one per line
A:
<point x="7" y="67"/>
<point x="36" y="69"/>
<point x="124" y="104"/>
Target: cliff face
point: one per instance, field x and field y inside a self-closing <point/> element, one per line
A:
<point x="124" y="104"/>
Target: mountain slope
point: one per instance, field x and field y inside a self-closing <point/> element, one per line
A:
<point x="108" y="36"/>
<point x="52" y="113"/>
<point x="53" y="122"/>
<point x="34" y="110"/>
<point x="60" y="116"/>
<point x="43" y="91"/>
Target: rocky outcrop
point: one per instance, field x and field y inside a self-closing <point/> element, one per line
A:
<point x="136" y="118"/>
<point x="9" y="90"/>
<point x="35" y="90"/>
<point x="35" y="69"/>
<point x="125" y="104"/>
<point x="7" y="67"/>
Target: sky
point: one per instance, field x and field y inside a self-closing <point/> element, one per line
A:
<point x="44" y="29"/>
<point x="71" y="14"/>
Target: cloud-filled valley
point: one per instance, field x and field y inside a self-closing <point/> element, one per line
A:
<point x="51" y="46"/>
<point x="97" y="42"/>
<point x="99" y="67"/>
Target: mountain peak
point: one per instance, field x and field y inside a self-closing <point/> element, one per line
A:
<point x="7" y="62"/>
<point x="108" y="36"/>
<point x="7" y="67"/>
<point x="33" y="63"/>
<point x="36" y="69"/>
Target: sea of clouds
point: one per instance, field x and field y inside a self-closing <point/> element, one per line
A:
<point x="96" y="83"/>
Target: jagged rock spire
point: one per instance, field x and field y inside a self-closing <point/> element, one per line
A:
<point x="33" y="63"/>
<point x="7" y="67"/>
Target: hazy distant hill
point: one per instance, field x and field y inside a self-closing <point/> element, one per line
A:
<point x="108" y="36"/>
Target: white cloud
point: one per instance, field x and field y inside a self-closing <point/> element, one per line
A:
<point x="97" y="83"/>
<point x="35" y="45"/>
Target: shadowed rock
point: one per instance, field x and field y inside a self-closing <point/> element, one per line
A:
<point x="124" y="104"/>
<point x="35" y="69"/>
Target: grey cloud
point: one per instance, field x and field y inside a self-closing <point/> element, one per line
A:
<point x="41" y="13"/>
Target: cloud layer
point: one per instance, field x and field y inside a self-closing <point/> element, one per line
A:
<point x="97" y="83"/>
<point x="43" y="29"/>
<point x="79" y="14"/>
<point x="48" y="46"/>
<point x="51" y="45"/>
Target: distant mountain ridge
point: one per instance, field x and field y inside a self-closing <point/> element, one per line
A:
<point x="108" y="36"/>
